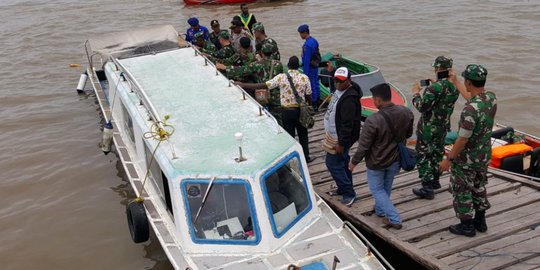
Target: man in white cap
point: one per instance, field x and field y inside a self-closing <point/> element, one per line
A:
<point x="342" y="124"/>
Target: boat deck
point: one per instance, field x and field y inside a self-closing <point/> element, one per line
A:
<point x="511" y="241"/>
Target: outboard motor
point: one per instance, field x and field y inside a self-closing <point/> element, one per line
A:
<point x="106" y="141"/>
<point x="82" y="83"/>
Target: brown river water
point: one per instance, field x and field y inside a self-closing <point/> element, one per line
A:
<point x="62" y="201"/>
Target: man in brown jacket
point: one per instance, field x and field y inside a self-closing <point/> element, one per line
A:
<point x="377" y="144"/>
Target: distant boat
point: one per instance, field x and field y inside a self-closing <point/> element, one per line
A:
<point x="221" y="184"/>
<point x="515" y="151"/>
<point x="363" y="74"/>
<point x="209" y="2"/>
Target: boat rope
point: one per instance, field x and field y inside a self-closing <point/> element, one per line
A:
<point x="161" y="132"/>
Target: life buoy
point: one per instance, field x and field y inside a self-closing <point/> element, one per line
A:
<point x="137" y="222"/>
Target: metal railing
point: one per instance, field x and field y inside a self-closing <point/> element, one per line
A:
<point x="370" y="247"/>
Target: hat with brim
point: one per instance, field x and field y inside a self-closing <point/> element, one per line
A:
<point x="341" y="74"/>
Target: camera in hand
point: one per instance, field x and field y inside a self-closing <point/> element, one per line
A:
<point x="442" y="74"/>
<point x="425" y="82"/>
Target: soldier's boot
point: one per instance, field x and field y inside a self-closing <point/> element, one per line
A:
<point x="435" y="183"/>
<point x="480" y="221"/>
<point x="425" y="192"/>
<point x="465" y="227"/>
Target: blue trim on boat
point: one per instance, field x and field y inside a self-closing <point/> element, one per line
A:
<point x="249" y="195"/>
<point x="267" y="200"/>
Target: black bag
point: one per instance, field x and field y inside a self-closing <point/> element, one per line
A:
<point x="407" y="156"/>
<point x="315" y="59"/>
<point x="306" y="112"/>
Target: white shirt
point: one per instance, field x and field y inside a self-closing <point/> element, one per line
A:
<point x="330" y="116"/>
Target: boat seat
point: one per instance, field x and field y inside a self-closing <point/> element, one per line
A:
<point x="499" y="133"/>
<point x="513" y="163"/>
<point x="534" y="168"/>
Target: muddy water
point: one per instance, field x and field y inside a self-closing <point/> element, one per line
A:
<point x="63" y="200"/>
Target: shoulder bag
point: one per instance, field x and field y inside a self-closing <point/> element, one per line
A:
<point x="407" y="156"/>
<point x="306" y="117"/>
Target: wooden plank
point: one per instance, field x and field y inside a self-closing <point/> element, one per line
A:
<point x="517" y="220"/>
<point x="530" y="264"/>
<point x="418" y="216"/>
<point x="471" y="256"/>
<point x="421" y="228"/>
<point x="492" y="257"/>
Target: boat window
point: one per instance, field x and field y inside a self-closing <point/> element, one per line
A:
<point x="220" y="211"/>
<point x="128" y="123"/>
<point x="286" y="192"/>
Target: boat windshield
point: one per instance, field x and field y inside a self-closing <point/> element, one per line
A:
<point x="226" y="216"/>
<point x="286" y="194"/>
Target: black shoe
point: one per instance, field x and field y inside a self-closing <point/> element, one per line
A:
<point x="309" y="159"/>
<point x="435" y="184"/>
<point x="424" y="192"/>
<point x="465" y="227"/>
<point x="480" y="221"/>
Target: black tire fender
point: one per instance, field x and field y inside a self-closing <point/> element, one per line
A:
<point x="137" y="222"/>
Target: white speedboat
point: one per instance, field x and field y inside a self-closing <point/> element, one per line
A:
<point x="220" y="183"/>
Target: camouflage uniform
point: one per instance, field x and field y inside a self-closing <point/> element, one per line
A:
<point x="240" y="58"/>
<point x="264" y="70"/>
<point x="223" y="53"/>
<point x="436" y="105"/>
<point x="271" y="42"/>
<point x="469" y="168"/>
<point x="208" y="46"/>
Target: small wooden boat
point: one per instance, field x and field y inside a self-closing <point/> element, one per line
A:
<point x="363" y="74"/>
<point x="219" y="182"/>
<point x="210" y="2"/>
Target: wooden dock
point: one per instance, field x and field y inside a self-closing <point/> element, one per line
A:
<point x="511" y="242"/>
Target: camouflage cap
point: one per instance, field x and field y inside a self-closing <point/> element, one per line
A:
<point x="267" y="48"/>
<point x="224" y="35"/>
<point x="475" y="72"/>
<point x="199" y="34"/>
<point x="442" y="62"/>
<point x="258" y="26"/>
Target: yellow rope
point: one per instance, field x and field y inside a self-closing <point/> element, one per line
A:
<point x="159" y="134"/>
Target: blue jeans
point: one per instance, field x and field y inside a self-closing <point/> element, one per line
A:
<point x="338" y="165"/>
<point x="380" y="185"/>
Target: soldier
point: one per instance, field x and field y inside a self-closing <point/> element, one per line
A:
<point x="242" y="57"/>
<point x="202" y="44"/>
<point x="226" y="50"/>
<point x="261" y="38"/>
<point x="214" y="36"/>
<point x="471" y="153"/>
<point x="436" y="105"/>
<point x="264" y="70"/>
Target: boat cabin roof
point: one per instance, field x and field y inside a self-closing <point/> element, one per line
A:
<point x="206" y="113"/>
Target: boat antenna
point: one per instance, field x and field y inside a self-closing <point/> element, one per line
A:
<point x="204" y="198"/>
